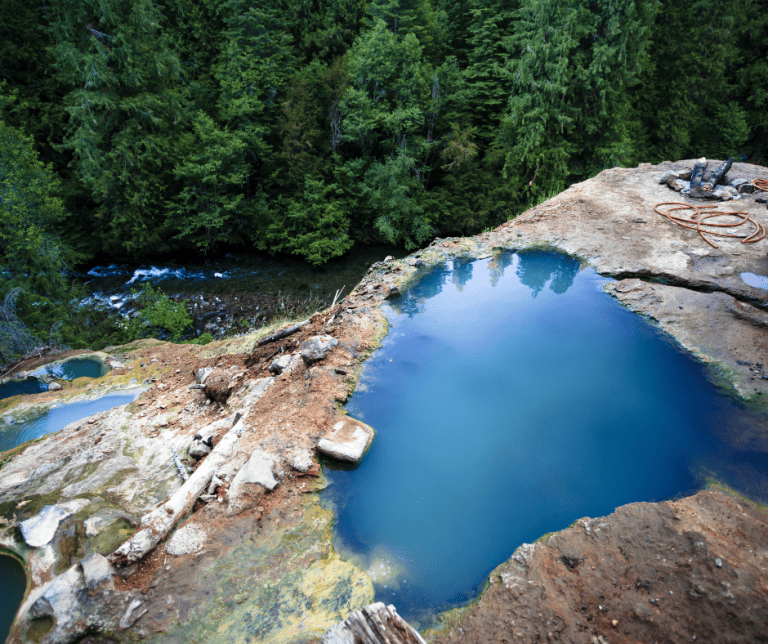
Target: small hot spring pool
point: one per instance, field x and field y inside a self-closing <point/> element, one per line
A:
<point x="17" y="432"/>
<point x="511" y="397"/>
<point x="14" y="583"/>
<point x="68" y="370"/>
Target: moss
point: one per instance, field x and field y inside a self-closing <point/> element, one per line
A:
<point x="39" y="627"/>
<point x="112" y="536"/>
<point x="715" y="485"/>
<point x="70" y="544"/>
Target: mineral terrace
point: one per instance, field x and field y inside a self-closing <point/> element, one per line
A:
<point x="119" y="548"/>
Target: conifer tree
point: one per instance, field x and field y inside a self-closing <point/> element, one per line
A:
<point x="126" y="112"/>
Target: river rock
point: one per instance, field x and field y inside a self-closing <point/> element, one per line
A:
<point x="186" y="540"/>
<point x="317" y="347"/>
<point x="280" y="364"/>
<point x="41" y="528"/>
<point x="54" y="386"/>
<point x="347" y="441"/>
<point x="97" y="573"/>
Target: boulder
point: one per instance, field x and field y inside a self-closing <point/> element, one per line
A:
<point x="200" y="447"/>
<point x="116" y="364"/>
<point x="41" y="528"/>
<point x="54" y="386"/>
<point x="98" y="573"/>
<point x="317" y="347"/>
<point x="347" y="441"/>
<point x="251" y="480"/>
<point x="217" y="386"/>
<point x="280" y="364"/>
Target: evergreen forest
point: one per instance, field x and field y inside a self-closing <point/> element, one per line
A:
<point x="150" y="128"/>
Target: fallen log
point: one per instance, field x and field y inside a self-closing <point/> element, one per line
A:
<point x="282" y="334"/>
<point x="155" y="525"/>
<point x="717" y="176"/>
<point x="374" y="624"/>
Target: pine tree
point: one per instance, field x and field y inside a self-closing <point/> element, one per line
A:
<point x="125" y="114"/>
<point x="570" y="67"/>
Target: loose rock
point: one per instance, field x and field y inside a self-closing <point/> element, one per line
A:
<point x="317" y="347"/>
<point x="347" y="441"/>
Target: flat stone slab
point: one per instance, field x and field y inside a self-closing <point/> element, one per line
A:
<point x="41" y="528"/>
<point x="186" y="541"/>
<point x="347" y="441"/>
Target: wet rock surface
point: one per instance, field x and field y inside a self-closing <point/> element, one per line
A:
<point x="267" y="571"/>
<point x="646" y="573"/>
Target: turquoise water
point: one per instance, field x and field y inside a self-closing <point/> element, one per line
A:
<point x="28" y="386"/>
<point x="14" y="583"/>
<point x="69" y="370"/>
<point x="15" y="433"/>
<point x="511" y="397"/>
<point x="75" y="368"/>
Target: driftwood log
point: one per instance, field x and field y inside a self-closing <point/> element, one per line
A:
<point x="374" y="624"/>
<point x="282" y="334"/>
<point x="155" y="525"/>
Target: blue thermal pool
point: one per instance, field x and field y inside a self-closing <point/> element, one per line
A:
<point x="69" y="370"/>
<point x="27" y="386"/>
<point x="75" y="368"/>
<point x="14" y="583"/>
<point x="511" y="397"/>
<point x="17" y="432"/>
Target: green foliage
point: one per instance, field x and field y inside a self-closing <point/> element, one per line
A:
<point x="315" y="227"/>
<point x="304" y="126"/>
<point x="158" y="312"/>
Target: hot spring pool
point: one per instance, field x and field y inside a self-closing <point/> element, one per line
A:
<point x="14" y="583"/>
<point x="55" y="419"/>
<point x="511" y="397"/>
<point x="68" y="370"/>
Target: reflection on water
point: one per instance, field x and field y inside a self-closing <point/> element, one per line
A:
<point x="18" y="387"/>
<point x="512" y="397"/>
<point x="75" y="368"/>
<point x="13" y="585"/>
<point x="16" y="433"/>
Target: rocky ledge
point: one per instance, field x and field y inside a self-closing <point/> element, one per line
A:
<point x="191" y="514"/>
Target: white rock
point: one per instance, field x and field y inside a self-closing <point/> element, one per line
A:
<point x="98" y="573"/>
<point x="202" y="374"/>
<point x="54" y="386"/>
<point x="280" y="364"/>
<point x="186" y="540"/>
<point x="255" y="476"/>
<point x="41" y="528"/>
<point x="302" y="461"/>
<point x="258" y="469"/>
<point x="116" y="364"/>
<point x="347" y="441"/>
